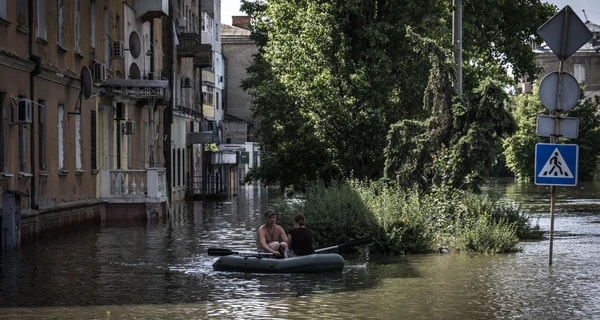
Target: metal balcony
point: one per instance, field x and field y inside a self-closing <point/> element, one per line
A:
<point x="188" y="44"/>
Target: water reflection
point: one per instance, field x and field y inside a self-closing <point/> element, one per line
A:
<point x="154" y="271"/>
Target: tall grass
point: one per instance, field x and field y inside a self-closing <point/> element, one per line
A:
<point x="408" y="220"/>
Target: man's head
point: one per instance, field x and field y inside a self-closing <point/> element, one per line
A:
<point x="270" y="215"/>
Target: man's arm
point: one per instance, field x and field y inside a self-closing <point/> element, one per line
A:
<point x="283" y="236"/>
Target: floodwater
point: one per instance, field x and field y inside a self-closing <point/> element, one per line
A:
<point x="162" y="271"/>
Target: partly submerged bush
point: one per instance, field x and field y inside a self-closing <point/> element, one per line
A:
<point x="486" y="235"/>
<point x="408" y="220"/>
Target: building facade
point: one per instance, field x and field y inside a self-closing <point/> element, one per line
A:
<point x="81" y="103"/>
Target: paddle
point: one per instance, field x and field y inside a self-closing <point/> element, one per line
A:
<point x="347" y="244"/>
<point x="226" y="252"/>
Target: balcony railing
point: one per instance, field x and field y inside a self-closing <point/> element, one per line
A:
<point x="134" y="185"/>
<point x="203" y="57"/>
<point x="188" y="44"/>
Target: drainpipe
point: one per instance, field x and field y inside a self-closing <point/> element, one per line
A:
<point x="168" y="112"/>
<point x="37" y="70"/>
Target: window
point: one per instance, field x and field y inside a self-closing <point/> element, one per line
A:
<point x="93" y="142"/>
<point x="41" y="19"/>
<point x="579" y="72"/>
<point x="77" y="28"/>
<point x="61" y="137"/>
<point x="42" y="134"/>
<point x="60" y="38"/>
<point x="22" y="146"/>
<point x="93" y="26"/>
<point x="3" y="9"/>
<point x="78" y="162"/>
<point x="21" y="14"/>
<point x="3" y="131"/>
<point x="106" y="38"/>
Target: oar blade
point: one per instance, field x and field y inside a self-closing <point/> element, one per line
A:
<point x="220" y="252"/>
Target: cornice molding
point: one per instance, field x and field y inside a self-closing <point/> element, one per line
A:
<point x="16" y="63"/>
<point x="59" y="78"/>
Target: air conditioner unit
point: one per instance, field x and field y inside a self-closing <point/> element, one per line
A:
<point x="118" y="49"/>
<point x="182" y="22"/>
<point x="120" y="111"/>
<point x="24" y="112"/>
<point x="186" y="82"/>
<point x="99" y="70"/>
<point x="129" y="127"/>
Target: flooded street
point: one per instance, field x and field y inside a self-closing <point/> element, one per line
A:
<point x="162" y="271"/>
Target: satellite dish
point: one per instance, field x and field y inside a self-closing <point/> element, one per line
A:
<point x="86" y="82"/>
<point x="135" y="44"/>
<point x="134" y="71"/>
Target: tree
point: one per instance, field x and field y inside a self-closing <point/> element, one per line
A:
<point x="332" y="77"/>
<point x="458" y="144"/>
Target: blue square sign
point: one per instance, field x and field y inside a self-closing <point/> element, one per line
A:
<point x="556" y="164"/>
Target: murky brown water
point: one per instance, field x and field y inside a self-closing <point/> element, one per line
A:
<point x="163" y="272"/>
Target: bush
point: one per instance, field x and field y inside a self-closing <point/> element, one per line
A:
<point x="485" y="235"/>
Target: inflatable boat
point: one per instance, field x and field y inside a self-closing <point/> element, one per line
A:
<point x="314" y="263"/>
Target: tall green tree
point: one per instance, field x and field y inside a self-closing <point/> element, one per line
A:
<point x="332" y="77"/>
<point x="458" y="144"/>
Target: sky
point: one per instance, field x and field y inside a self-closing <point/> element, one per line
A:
<point x="231" y="8"/>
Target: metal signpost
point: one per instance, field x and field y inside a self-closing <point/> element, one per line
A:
<point x="556" y="164"/>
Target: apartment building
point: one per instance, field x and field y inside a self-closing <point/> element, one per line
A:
<point x="82" y="101"/>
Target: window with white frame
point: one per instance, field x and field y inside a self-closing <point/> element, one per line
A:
<point x="60" y="37"/>
<point x="3" y="131"/>
<point x="3" y="9"/>
<point x="77" y="27"/>
<point x="61" y="137"/>
<point x="579" y="72"/>
<point x="78" y="162"/>
<point x="41" y="19"/>
<point x="207" y="23"/>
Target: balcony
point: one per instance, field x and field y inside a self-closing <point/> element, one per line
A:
<point x="134" y="186"/>
<point x="188" y="44"/>
<point x="203" y="57"/>
<point x="150" y="9"/>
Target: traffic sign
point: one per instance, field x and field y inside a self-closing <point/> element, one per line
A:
<point x="546" y="126"/>
<point x="556" y="164"/>
<point x="569" y="91"/>
<point x="565" y="33"/>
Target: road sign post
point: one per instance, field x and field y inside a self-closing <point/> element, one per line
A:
<point x="564" y="33"/>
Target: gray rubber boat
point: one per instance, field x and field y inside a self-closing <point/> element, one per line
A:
<point x="314" y="263"/>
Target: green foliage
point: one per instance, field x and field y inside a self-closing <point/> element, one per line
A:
<point x="336" y="214"/>
<point x="211" y="147"/>
<point x="519" y="149"/>
<point x="459" y="143"/>
<point x="332" y="77"/>
<point x="486" y="235"/>
<point x="408" y="220"/>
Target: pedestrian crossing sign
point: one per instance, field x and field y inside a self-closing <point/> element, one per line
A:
<point x="556" y="164"/>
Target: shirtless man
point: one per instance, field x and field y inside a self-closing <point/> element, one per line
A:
<point x="270" y="237"/>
